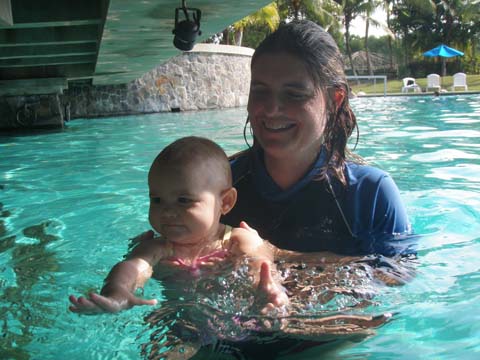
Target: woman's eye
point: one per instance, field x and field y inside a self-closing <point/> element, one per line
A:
<point x="296" y="96"/>
<point x="155" y="200"/>
<point x="258" y="91"/>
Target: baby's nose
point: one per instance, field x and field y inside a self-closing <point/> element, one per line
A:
<point x="169" y="212"/>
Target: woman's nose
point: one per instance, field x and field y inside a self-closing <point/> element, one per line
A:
<point x="272" y="105"/>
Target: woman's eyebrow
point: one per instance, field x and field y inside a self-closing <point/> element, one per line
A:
<point x="256" y="83"/>
<point x="298" y="85"/>
<point x="294" y="85"/>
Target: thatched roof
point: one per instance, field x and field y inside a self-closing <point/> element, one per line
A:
<point x="379" y="62"/>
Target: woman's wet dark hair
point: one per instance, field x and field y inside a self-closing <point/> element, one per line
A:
<point x="319" y="52"/>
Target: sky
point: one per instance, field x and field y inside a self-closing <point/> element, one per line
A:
<point x="358" y="25"/>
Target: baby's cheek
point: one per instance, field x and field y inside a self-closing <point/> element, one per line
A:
<point x="152" y="216"/>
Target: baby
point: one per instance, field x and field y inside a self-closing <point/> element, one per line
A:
<point x="190" y="185"/>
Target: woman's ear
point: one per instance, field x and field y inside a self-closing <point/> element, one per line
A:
<point x="228" y="199"/>
<point x="338" y="98"/>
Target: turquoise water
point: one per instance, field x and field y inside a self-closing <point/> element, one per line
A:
<point x="70" y="201"/>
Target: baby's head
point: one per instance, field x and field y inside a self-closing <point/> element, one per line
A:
<point x="190" y="181"/>
<point x="196" y="154"/>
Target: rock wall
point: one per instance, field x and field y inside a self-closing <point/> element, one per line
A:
<point x="210" y="77"/>
<point x="34" y="111"/>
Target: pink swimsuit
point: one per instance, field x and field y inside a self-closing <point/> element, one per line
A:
<point x="202" y="260"/>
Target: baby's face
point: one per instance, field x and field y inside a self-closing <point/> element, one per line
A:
<point x="185" y="202"/>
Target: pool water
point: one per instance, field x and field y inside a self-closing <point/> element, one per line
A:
<point x="70" y="200"/>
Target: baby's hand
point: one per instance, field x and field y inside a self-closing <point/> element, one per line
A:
<point x="274" y="294"/>
<point x="98" y="304"/>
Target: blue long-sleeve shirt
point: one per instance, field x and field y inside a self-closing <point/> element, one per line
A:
<point x="365" y="217"/>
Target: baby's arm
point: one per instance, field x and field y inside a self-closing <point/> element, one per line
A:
<point x="118" y="292"/>
<point x="247" y="242"/>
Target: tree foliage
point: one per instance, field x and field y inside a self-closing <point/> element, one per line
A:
<point x="412" y="26"/>
<point x="424" y="24"/>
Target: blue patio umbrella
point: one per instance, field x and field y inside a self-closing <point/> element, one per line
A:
<point x="444" y="52"/>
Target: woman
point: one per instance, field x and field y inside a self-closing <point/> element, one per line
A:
<point x="295" y="185"/>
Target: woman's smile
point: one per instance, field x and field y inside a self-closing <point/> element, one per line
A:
<point x="277" y="126"/>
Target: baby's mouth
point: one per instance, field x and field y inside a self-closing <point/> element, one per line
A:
<point x="171" y="226"/>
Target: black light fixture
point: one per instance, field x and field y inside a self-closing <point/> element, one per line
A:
<point x="186" y="31"/>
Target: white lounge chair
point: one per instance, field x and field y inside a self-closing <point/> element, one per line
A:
<point x="433" y="82"/>
<point x="460" y="80"/>
<point x="410" y="84"/>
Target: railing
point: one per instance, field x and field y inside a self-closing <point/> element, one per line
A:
<point x="374" y="77"/>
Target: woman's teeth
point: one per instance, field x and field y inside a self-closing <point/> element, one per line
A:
<point x="277" y="126"/>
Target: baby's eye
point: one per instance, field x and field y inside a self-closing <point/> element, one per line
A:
<point x="184" y="200"/>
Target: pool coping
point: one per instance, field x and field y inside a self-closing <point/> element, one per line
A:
<point x="430" y="93"/>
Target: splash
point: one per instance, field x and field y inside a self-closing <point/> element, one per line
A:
<point x="331" y="299"/>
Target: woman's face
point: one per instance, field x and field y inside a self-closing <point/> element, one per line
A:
<point x="286" y="110"/>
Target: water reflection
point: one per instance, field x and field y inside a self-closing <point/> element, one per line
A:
<point x="31" y="262"/>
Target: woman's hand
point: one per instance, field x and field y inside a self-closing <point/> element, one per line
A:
<point x="98" y="304"/>
<point x="269" y="288"/>
<point x="245" y="226"/>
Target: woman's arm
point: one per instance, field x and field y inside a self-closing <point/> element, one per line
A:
<point x="376" y="212"/>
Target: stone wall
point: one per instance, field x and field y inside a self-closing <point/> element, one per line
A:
<point x="34" y="111"/>
<point x="210" y="77"/>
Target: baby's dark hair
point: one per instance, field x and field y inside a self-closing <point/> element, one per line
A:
<point x="195" y="150"/>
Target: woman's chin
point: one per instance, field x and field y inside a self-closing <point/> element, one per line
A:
<point x="278" y="151"/>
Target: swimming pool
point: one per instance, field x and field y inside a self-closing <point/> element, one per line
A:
<point x="70" y="201"/>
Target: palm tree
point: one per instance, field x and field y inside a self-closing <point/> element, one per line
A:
<point x="290" y="8"/>
<point x="267" y="15"/>
<point x="470" y="18"/>
<point x="415" y="24"/>
<point x="370" y="6"/>
<point x="387" y="7"/>
<point x="319" y="11"/>
<point x="296" y="6"/>
<point x="350" y="10"/>
<point x="323" y="12"/>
